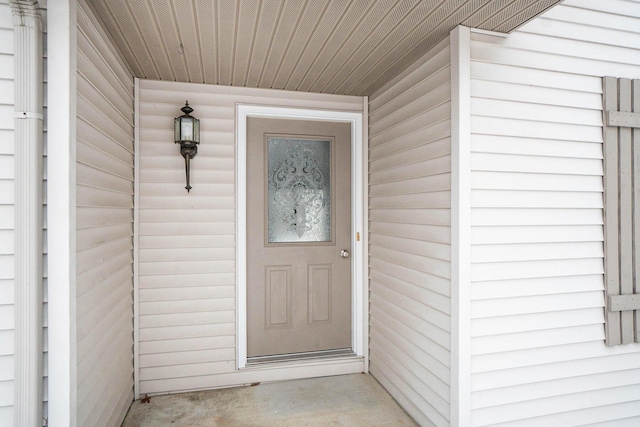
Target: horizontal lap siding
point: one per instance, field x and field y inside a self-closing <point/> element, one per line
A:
<point x="409" y="229"/>
<point x="187" y="247"/>
<point x="104" y="174"/>
<point x="7" y="222"/>
<point x="538" y="353"/>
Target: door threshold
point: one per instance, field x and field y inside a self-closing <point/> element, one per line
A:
<point x="291" y="357"/>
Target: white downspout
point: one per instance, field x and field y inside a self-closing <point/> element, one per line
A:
<point x="28" y="59"/>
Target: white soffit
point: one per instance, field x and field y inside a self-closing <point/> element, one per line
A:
<point x="349" y="47"/>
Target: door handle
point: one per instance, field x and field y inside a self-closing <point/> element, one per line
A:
<point x="344" y="253"/>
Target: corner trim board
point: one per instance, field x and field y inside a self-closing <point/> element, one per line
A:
<point x="136" y="240"/>
<point x="61" y="212"/>
<point x="460" y="227"/>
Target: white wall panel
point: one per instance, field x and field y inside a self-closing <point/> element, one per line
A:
<point x="538" y="352"/>
<point x="186" y="243"/>
<point x="410" y="237"/>
<point x="104" y="209"/>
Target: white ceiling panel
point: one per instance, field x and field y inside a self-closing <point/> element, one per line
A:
<point x="349" y="47"/>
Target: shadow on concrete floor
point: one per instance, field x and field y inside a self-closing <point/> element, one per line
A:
<point x="346" y="400"/>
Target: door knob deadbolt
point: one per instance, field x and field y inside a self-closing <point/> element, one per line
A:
<point x="344" y="253"/>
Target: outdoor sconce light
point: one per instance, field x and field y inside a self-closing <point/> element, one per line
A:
<point x="187" y="134"/>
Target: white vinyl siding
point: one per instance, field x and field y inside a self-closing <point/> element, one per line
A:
<point x="6" y="215"/>
<point x="186" y="247"/>
<point x="410" y="237"/>
<point x="104" y="228"/>
<point x="538" y="351"/>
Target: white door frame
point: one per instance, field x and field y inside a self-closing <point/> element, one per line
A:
<point x="359" y="296"/>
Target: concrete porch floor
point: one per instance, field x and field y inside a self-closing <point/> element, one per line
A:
<point x="346" y="400"/>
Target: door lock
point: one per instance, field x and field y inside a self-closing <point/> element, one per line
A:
<point x="344" y="253"/>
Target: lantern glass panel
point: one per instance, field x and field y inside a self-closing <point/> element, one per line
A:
<point x="196" y="130"/>
<point x="176" y="129"/>
<point x="186" y="129"/>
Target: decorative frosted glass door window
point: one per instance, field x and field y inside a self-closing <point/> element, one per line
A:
<point x="299" y="207"/>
